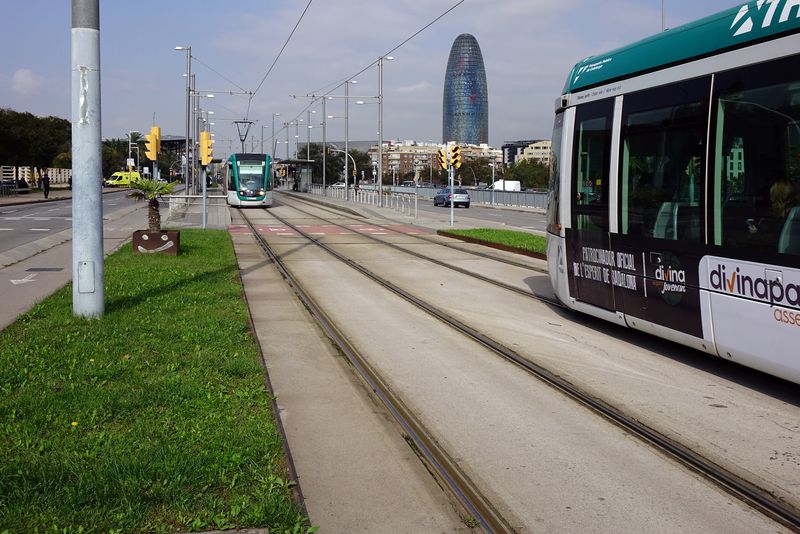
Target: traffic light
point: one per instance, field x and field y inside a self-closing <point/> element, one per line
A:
<point x="206" y="150"/>
<point x="156" y="132"/>
<point x="150" y="146"/>
<point x="455" y="156"/>
<point x="152" y="143"/>
<point x="442" y="157"/>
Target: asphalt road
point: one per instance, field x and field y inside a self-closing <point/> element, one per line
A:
<point x="24" y="223"/>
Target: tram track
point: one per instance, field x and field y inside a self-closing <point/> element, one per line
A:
<point x="733" y="484"/>
<point x="424" y="238"/>
<point x="444" y="467"/>
<point x="444" y="264"/>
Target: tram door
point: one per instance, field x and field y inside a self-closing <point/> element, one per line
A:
<point x="590" y="256"/>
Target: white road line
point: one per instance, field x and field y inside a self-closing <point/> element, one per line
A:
<point x="39" y="229"/>
<point x="12" y="218"/>
<point x="54" y="209"/>
<point x="6" y="229"/>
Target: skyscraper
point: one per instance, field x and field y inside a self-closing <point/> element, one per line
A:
<point x="465" y="106"/>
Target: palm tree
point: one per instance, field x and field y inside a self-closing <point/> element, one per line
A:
<point x="151" y="191"/>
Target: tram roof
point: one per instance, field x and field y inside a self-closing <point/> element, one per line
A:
<point x="757" y="20"/>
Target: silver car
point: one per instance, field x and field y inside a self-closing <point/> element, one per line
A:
<point x="459" y="198"/>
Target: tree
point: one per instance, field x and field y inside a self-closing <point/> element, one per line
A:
<point x="151" y="191"/>
<point x="530" y="174"/>
<point x="27" y="140"/>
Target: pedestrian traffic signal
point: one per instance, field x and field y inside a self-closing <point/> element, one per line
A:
<point x="442" y="157"/>
<point x="455" y="156"/>
<point x="206" y="150"/>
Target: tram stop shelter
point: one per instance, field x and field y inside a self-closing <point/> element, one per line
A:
<point x="294" y="174"/>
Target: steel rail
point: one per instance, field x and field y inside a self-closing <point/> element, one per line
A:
<point x="446" y="469"/>
<point x="424" y="238"/>
<point x="749" y="493"/>
<point x="441" y="263"/>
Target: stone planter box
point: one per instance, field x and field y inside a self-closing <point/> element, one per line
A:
<point x="146" y="242"/>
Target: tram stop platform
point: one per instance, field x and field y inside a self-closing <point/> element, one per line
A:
<point x="186" y="211"/>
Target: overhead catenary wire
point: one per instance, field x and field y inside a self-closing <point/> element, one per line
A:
<point x="269" y="70"/>
<point x="428" y="25"/>
<point x="330" y="87"/>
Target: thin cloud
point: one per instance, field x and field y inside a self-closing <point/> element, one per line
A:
<point x="421" y="86"/>
<point x="26" y="82"/>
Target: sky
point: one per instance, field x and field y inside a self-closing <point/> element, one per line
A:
<point x="528" y="49"/>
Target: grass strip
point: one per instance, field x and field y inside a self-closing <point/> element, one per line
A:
<point x="510" y="240"/>
<point x="154" y="418"/>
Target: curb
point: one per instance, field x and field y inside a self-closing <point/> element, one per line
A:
<point x="489" y="244"/>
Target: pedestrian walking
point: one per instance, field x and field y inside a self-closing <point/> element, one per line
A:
<point x="46" y="184"/>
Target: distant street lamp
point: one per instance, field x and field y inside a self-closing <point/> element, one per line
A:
<point x="188" y="107"/>
<point x="380" y="127"/>
<point x="274" y="141"/>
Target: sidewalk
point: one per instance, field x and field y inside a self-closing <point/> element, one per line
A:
<point x="36" y="197"/>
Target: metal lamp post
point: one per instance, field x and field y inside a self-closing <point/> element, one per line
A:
<point x="274" y="141"/>
<point x="188" y="108"/>
<point x="380" y="127"/>
<point x="346" y="134"/>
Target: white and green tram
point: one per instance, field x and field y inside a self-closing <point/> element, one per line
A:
<point x="248" y="180"/>
<point x="675" y="188"/>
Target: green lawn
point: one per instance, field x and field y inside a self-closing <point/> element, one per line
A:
<point x="522" y="241"/>
<point x="155" y="418"/>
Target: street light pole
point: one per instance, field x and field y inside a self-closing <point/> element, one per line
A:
<point x="380" y="128"/>
<point x="346" y="135"/>
<point x="274" y="141"/>
<point x="188" y="107"/>
<point x="88" y="271"/>
<point x="286" y="125"/>
<point x="324" y="148"/>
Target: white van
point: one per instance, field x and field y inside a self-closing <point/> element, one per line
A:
<point x="506" y="185"/>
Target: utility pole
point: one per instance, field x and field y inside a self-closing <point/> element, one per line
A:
<point x="88" y="270"/>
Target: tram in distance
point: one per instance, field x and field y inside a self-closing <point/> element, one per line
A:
<point x="248" y="180"/>
<point x="674" y="194"/>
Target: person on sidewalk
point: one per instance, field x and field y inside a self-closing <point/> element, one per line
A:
<point x="46" y="184"/>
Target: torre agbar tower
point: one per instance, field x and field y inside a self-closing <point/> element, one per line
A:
<point x="465" y="106"/>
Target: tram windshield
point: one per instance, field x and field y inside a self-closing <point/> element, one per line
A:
<point x="251" y="175"/>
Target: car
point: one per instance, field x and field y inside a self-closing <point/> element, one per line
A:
<point x="459" y="198"/>
<point x="408" y="183"/>
<point x="337" y="185"/>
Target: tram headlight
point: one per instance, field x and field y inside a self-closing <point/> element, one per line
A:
<point x="243" y="192"/>
<point x="260" y="191"/>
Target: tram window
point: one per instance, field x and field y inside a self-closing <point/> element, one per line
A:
<point x="756" y="190"/>
<point x="663" y="144"/>
<point x="553" y="218"/>
<point x="229" y="178"/>
<point x="591" y="163"/>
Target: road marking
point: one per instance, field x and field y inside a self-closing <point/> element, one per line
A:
<point x="54" y="209"/>
<point x="12" y="218"/>
<point x="6" y="229"/>
<point x="29" y="278"/>
<point x="40" y="229"/>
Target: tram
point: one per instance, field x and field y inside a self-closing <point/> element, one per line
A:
<point x="674" y="190"/>
<point x="248" y="179"/>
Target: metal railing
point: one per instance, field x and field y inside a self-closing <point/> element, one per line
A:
<point x="398" y="197"/>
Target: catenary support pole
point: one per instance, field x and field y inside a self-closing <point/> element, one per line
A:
<point x="88" y="271"/>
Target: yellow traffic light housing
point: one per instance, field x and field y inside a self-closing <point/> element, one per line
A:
<point x="455" y="156"/>
<point x="206" y="150"/>
<point x="150" y="147"/>
<point x="155" y="131"/>
<point x="442" y="158"/>
<point x="152" y="143"/>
